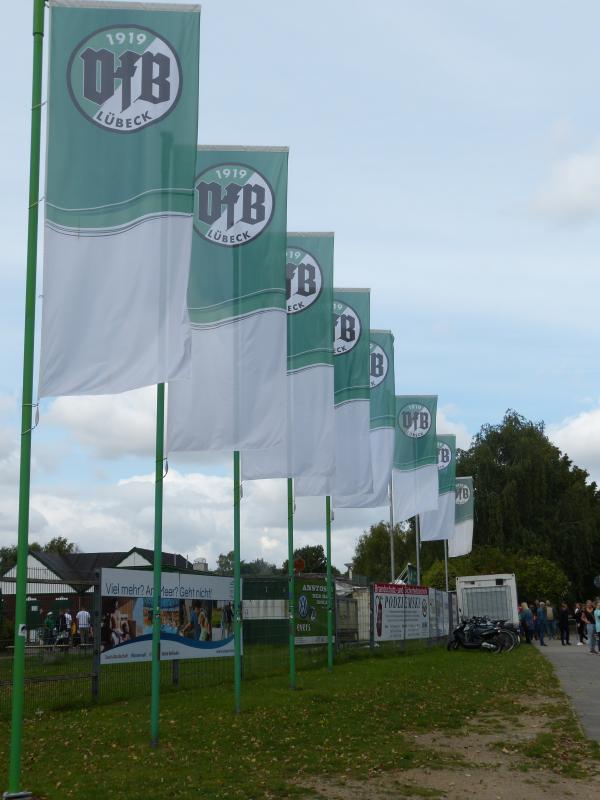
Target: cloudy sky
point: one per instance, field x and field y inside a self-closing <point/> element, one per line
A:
<point x="454" y="148"/>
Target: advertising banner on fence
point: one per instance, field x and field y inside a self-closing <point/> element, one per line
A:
<point x="400" y="612"/>
<point x="437" y="628"/>
<point x="122" y="132"/>
<point x="310" y="596"/>
<point x="196" y="616"/>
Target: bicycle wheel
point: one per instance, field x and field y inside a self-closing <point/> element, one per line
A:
<point x="508" y="639"/>
<point x="497" y="641"/>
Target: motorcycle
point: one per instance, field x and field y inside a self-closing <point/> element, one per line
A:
<point x="477" y="634"/>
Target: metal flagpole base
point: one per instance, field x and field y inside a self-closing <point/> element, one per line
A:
<point x="16" y="795"/>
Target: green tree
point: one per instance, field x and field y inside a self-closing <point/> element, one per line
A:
<point x="314" y="559"/>
<point x="372" y="551"/>
<point x="225" y="563"/>
<point x="59" y="544"/>
<point x="257" y="567"/>
<point x="531" y="499"/>
<point x="537" y="577"/>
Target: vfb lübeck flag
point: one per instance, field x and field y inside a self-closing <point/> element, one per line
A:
<point x="351" y="317"/>
<point x="461" y="543"/>
<point x="415" y="473"/>
<point x="237" y="396"/>
<point x="382" y="429"/>
<point x="439" y="524"/>
<point x="122" y="130"/>
<point x="308" y="449"/>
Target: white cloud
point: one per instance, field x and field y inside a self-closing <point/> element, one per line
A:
<point x="109" y="426"/>
<point x="198" y="517"/>
<point x="579" y="438"/>
<point x="572" y="191"/>
<point x="445" y="425"/>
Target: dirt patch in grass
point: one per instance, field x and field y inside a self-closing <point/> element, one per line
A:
<point x="516" y="762"/>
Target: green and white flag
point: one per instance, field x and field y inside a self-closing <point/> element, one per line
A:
<point x="236" y="399"/>
<point x="415" y="471"/>
<point x="461" y="543"/>
<point x="351" y="319"/>
<point x="309" y="448"/>
<point x="122" y="132"/>
<point x="383" y="434"/>
<point x="439" y="524"/>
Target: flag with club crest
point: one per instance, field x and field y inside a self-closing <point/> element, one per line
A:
<point x="121" y="153"/>
<point x="439" y="524"/>
<point x="351" y="318"/>
<point x="308" y="449"/>
<point x="461" y="543"/>
<point x="415" y="473"/>
<point x="236" y="398"/>
<point x="382" y="434"/>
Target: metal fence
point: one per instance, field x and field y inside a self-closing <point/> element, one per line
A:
<point x="63" y="666"/>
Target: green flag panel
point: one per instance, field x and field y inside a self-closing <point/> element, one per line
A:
<point x="383" y="386"/>
<point x="416" y="442"/>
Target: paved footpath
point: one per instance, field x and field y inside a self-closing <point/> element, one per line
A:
<point x="578" y="673"/>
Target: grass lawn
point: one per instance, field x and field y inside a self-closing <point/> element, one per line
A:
<point x="360" y="720"/>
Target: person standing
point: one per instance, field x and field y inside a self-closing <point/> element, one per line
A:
<point x="563" y="624"/>
<point x="541" y="621"/>
<point x="550" y="621"/>
<point x="597" y="623"/>
<point x="526" y="620"/>
<point x="83" y="624"/>
<point x="587" y="617"/>
<point x="579" y="624"/>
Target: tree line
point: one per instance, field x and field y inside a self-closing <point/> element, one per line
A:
<point x="536" y="514"/>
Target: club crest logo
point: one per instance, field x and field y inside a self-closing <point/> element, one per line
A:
<point x="444" y="455"/>
<point x="346" y="328"/>
<point x="303" y="280"/>
<point x="378" y="364"/>
<point x="124" y="78"/>
<point x="414" y="420"/>
<point x="234" y="204"/>
<point x="463" y="494"/>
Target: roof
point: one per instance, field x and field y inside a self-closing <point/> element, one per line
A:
<point x="168" y="559"/>
<point x="81" y="568"/>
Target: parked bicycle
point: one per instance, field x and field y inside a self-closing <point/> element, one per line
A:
<point x="479" y="633"/>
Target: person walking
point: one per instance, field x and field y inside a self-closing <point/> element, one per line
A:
<point x="563" y="624"/>
<point x="541" y="622"/>
<point x="587" y="617"/>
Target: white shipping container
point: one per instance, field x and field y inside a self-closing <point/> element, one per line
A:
<point x="493" y="596"/>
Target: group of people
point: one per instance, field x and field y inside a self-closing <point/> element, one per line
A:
<point x="65" y="628"/>
<point x="199" y="626"/>
<point x="541" y="620"/>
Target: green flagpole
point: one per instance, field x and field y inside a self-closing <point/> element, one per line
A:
<point x="291" y="573"/>
<point x="158" y="520"/>
<point x="18" y="687"/>
<point x="329" y="585"/>
<point x="237" y="599"/>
